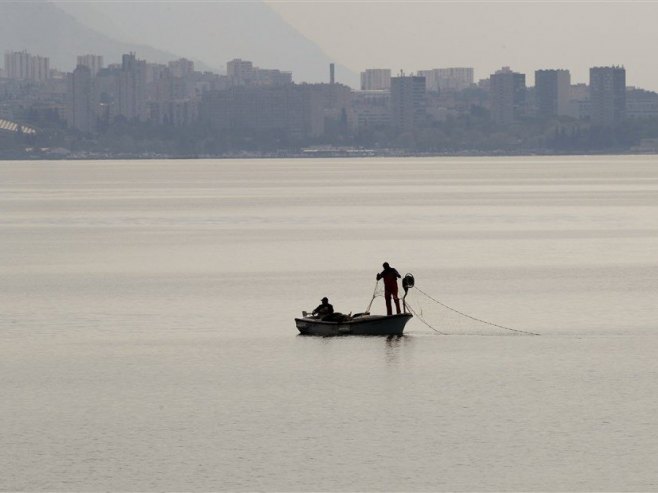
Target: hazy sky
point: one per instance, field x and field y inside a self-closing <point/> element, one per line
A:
<point x="484" y="34"/>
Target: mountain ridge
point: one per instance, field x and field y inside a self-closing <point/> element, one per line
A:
<point x="214" y="33"/>
<point x="42" y="28"/>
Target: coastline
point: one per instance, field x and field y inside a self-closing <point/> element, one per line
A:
<point x="47" y="155"/>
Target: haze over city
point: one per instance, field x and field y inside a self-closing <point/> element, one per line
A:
<point x="484" y="34"/>
<point x="417" y="35"/>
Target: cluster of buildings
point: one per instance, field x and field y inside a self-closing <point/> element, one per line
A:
<point x="606" y="101"/>
<point x="250" y="99"/>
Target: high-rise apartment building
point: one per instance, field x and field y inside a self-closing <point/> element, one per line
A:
<point x="641" y="104"/>
<point x="376" y="79"/>
<point x="507" y="93"/>
<point x="455" y="78"/>
<point x="607" y="92"/>
<point x="39" y="68"/>
<point x="20" y="65"/>
<point x="243" y="73"/>
<point x="17" y="65"/>
<point x="132" y="88"/>
<point x="239" y="71"/>
<point x="448" y="79"/>
<point x="181" y="67"/>
<point x="93" y="62"/>
<point x="407" y="102"/>
<point x="82" y="100"/>
<point x="579" y="104"/>
<point x="552" y="89"/>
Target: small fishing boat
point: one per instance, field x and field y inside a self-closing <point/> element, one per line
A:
<point x="357" y="325"/>
<point x="360" y="324"/>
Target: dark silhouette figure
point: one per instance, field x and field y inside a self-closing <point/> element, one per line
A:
<point x="324" y="309"/>
<point x="390" y="276"/>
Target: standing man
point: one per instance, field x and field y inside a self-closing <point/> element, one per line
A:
<point x="390" y="276"/>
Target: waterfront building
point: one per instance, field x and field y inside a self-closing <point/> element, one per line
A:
<point x="177" y="113"/>
<point x="607" y="86"/>
<point x="407" y="102"/>
<point x="294" y="111"/>
<point x="641" y="104"/>
<point x="507" y="95"/>
<point x="579" y="105"/>
<point x="376" y="79"/>
<point x="371" y="109"/>
<point x="552" y="92"/>
<point x="82" y="100"/>
<point x="132" y="88"/>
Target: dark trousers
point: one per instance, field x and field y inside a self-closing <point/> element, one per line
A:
<point x="388" y="293"/>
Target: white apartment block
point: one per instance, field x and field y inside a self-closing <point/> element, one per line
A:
<point x="93" y="62"/>
<point x="376" y="79"/>
<point x="20" y="65"/>
<point x="448" y="79"/>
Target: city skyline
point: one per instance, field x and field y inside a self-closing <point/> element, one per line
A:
<point x="442" y="109"/>
<point x="381" y="73"/>
<point x="304" y="37"/>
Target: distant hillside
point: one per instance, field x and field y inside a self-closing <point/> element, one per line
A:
<point x="44" y="29"/>
<point x="213" y="32"/>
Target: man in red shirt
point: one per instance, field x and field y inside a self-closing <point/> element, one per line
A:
<point x="390" y="277"/>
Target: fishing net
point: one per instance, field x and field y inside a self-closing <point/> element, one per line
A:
<point x="442" y="318"/>
<point x="448" y="320"/>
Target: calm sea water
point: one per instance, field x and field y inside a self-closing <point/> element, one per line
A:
<point x="147" y="339"/>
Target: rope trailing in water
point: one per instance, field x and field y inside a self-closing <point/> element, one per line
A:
<point x="423" y="320"/>
<point x="473" y="318"/>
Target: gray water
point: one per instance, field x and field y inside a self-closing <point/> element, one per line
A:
<point x="148" y="343"/>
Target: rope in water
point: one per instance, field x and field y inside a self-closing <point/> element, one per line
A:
<point x="471" y="317"/>
<point x="423" y="320"/>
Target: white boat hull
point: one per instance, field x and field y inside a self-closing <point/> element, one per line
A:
<point x="367" y="325"/>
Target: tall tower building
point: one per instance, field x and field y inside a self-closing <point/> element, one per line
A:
<point x="17" y="65"/>
<point x="39" y="68"/>
<point x="93" y="62"/>
<point x="607" y="92"/>
<point x="132" y="88"/>
<point x="507" y="93"/>
<point x="82" y="107"/>
<point x="376" y="79"/>
<point x="552" y="92"/>
<point x="407" y="102"/>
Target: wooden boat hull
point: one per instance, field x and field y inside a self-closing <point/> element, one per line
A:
<point x="368" y="325"/>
